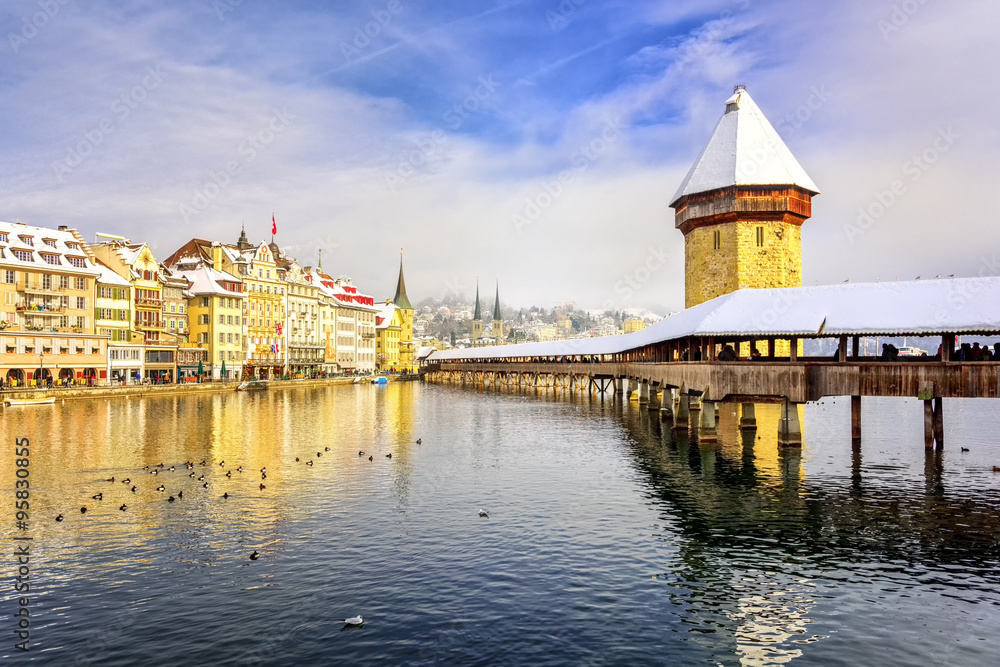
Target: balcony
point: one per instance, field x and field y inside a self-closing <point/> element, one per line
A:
<point x="38" y="309"/>
<point x="156" y="303"/>
<point x="41" y="290"/>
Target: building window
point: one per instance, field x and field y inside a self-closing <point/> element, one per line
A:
<point x="222" y="337"/>
<point x="63" y="282"/>
<point x="81" y="283"/>
<point x="10" y="277"/>
<point x="760" y="237"/>
<point x="52" y="259"/>
<point x="24" y="255"/>
<point x="222" y="319"/>
<point x="205" y="303"/>
<point x="81" y="303"/>
<point x="203" y="319"/>
<point x="78" y="262"/>
<point x="716" y="239"/>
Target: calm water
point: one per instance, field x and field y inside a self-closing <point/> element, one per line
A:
<point x="609" y="540"/>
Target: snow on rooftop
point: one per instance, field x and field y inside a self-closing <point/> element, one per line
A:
<point x="912" y="308"/>
<point x="744" y="150"/>
<point x="205" y="280"/>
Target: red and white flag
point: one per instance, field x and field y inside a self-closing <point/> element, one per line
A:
<point x="274" y="225"/>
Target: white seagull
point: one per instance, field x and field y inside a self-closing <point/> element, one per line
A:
<point x="355" y="620"/>
<point x="484" y="513"/>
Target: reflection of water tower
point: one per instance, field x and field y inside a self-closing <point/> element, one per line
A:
<point x="741" y="208"/>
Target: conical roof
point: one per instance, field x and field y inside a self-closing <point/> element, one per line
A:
<point x="496" y="306"/>
<point x="401" y="299"/>
<point x="478" y="316"/>
<point x="744" y="149"/>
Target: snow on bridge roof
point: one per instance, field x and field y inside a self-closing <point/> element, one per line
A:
<point x="917" y="307"/>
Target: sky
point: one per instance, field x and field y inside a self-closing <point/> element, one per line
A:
<point x="537" y="143"/>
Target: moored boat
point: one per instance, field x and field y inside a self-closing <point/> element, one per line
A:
<point x="28" y="401"/>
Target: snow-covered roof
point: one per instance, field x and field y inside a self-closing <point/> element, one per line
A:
<point x="383" y="318"/>
<point x="109" y="277"/>
<point x="61" y="246"/>
<point x="913" y="308"/>
<point x="205" y="280"/>
<point x="425" y="351"/>
<point x="744" y="150"/>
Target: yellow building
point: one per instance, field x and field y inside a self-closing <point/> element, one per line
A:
<point x="388" y="333"/>
<point x="741" y="208"/>
<point x="47" y="309"/>
<point x="215" y="313"/>
<point x="633" y="324"/>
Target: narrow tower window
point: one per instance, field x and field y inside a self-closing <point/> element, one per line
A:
<point x="760" y="237"/>
<point x="716" y="239"/>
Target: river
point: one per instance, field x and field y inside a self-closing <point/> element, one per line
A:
<point x="610" y="538"/>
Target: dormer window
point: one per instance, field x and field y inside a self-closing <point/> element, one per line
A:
<point x="26" y="240"/>
<point x="49" y="242"/>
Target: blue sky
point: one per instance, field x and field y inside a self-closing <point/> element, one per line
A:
<point x="434" y="126"/>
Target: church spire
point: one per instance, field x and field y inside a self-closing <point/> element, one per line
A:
<point x="479" y="311"/>
<point x="401" y="299"/>
<point x="242" y="243"/>
<point x="319" y="266"/>
<point x="496" y="305"/>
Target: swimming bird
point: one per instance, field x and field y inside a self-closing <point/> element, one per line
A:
<point x="170" y="468"/>
<point x="263" y="470"/>
<point x="361" y="453"/>
<point x="205" y="485"/>
<point x="309" y="463"/>
<point x="254" y="556"/>
<point x="123" y="507"/>
<point x="965" y="449"/>
<point x="240" y="469"/>
<point x="126" y="481"/>
<point x="296" y="459"/>
<point x="171" y="499"/>
<point x="180" y="494"/>
<point x="419" y="441"/>
<point x="996" y="468"/>
<point x="154" y="472"/>
<point x="159" y="465"/>
<point x="110" y="480"/>
<point x="319" y="454"/>
<point x="133" y="489"/>
<point x="222" y="463"/>
<point x="371" y="458"/>
<point x="201" y="478"/>
<point x="263" y="476"/>
<point x="262" y="487"/>
<point x="161" y="488"/>
<point x="60" y="517"/>
<point x="355" y="620"/>
<point x="389" y="455"/>
<point x="99" y="496"/>
<point x="484" y="513"/>
<point x="191" y="475"/>
<point x="229" y="474"/>
<point x="83" y="510"/>
<point x="326" y="449"/>
<point x="225" y="495"/>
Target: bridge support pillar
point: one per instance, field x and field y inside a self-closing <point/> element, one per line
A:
<point x="667" y="404"/>
<point x="748" y="417"/>
<point x="707" y="430"/>
<point x="654" y="397"/>
<point x="789" y="429"/>
<point x="682" y="416"/>
<point x="619" y="386"/>
<point x="933" y="423"/>
<point x="856" y="419"/>
<point x="643" y="393"/>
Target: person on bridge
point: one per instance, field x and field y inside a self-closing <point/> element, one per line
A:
<point x="727" y="354"/>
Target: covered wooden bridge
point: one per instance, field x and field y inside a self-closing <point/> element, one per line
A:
<point x="682" y="364"/>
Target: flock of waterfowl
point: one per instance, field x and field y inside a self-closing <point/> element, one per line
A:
<point x="194" y="469"/>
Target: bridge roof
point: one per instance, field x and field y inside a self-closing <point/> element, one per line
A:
<point x="912" y="308"/>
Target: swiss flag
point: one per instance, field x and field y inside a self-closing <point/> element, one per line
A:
<point x="274" y="225"/>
